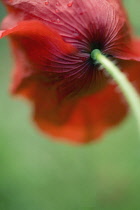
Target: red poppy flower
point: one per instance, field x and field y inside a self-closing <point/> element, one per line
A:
<point x="52" y="41"/>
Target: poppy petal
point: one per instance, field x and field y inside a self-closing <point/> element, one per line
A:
<point x="41" y="50"/>
<point x="45" y="53"/>
<point x="79" y="23"/>
<point x="93" y="115"/>
<point x="89" y="118"/>
<point x="86" y="119"/>
<point x="36" y="30"/>
<point x="131" y="52"/>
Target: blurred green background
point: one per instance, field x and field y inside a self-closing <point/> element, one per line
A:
<point x="39" y="174"/>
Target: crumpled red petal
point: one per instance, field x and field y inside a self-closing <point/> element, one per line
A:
<point x="94" y="115"/>
<point x="83" y="120"/>
<point x="74" y="20"/>
<point x="44" y="51"/>
<point x="37" y="30"/>
<point x="87" y="118"/>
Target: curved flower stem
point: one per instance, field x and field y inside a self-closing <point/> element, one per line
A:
<point x="124" y="84"/>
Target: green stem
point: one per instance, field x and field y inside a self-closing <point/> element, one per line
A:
<point x="124" y="84"/>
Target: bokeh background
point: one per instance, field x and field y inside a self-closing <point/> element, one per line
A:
<point x="37" y="173"/>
